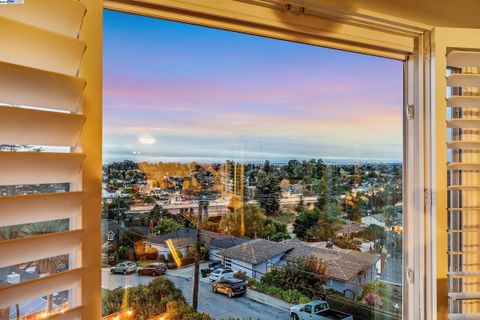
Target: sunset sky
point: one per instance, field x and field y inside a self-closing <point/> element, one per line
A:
<point x="176" y="92"/>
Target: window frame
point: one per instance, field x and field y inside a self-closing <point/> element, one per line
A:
<point x="377" y="36"/>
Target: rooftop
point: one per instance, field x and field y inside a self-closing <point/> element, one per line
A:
<point x="256" y="251"/>
<point x="342" y="264"/>
<point x="185" y="237"/>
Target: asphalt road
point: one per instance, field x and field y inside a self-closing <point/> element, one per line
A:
<point x="217" y="305"/>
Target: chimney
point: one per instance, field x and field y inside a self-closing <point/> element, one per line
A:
<point x="329" y="245"/>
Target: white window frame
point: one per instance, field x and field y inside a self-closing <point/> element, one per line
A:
<point x="324" y="25"/>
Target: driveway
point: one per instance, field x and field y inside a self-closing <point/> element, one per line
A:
<point x="217" y="305"/>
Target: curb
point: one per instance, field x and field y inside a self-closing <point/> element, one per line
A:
<point x="264" y="301"/>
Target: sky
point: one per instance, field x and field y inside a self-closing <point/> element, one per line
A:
<point x="178" y="92"/>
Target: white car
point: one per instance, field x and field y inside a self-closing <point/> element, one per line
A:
<point x="317" y="310"/>
<point x="221" y="274"/>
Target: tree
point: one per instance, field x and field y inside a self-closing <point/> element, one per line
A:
<point x="374" y="293"/>
<point x="390" y="215"/>
<point x="254" y="218"/>
<point x="179" y="310"/>
<point x="166" y="225"/>
<point x="285" y="185"/>
<point x="304" y="221"/>
<point x="47" y="265"/>
<point x="274" y="231"/>
<point x="147" y="301"/>
<point x="306" y="274"/>
<point x="268" y="190"/>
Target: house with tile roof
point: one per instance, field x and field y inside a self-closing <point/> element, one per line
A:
<point x="184" y="238"/>
<point x="348" y="270"/>
<point x="255" y="257"/>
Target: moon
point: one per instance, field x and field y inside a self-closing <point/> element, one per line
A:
<point x="146" y="138"/>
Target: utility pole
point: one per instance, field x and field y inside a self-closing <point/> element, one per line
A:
<point x="196" y="275"/>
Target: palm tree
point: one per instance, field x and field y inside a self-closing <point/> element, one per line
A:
<point x="49" y="265"/>
<point x="9" y="233"/>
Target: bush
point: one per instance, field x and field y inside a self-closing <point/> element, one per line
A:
<point x="188" y="260"/>
<point x="291" y="295"/>
<point x="179" y="310"/>
<point x="148" y="301"/>
<point x="240" y="275"/>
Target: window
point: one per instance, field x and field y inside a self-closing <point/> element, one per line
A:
<point x="270" y="159"/>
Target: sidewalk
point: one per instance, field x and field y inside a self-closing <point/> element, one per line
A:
<point x="268" y="300"/>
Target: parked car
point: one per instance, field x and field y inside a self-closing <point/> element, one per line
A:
<point x="317" y="310"/>
<point x="211" y="267"/>
<point x="220" y="274"/>
<point x="124" y="267"/>
<point x="231" y="287"/>
<point x="153" y="269"/>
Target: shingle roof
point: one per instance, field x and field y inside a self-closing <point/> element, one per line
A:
<point x="256" y="251"/>
<point x="185" y="237"/>
<point x="341" y="264"/>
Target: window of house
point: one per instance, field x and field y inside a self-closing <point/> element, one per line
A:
<point x="270" y="148"/>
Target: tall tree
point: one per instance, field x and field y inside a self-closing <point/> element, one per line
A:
<point x="268" y="190"/>
<point x="254" y="221"/>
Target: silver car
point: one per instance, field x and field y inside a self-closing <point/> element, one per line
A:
<point x="124" y="267"/>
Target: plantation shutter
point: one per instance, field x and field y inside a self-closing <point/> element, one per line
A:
<point x="48" y="51"/>
<point x="457" y="109"/>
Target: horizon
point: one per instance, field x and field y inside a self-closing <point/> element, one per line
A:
<point x="193" y="93"/>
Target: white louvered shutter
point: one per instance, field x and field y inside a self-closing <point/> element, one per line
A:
<point x="41" y="104"/>
<point x="457" y="109"/>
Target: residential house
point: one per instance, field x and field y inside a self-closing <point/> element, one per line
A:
<point x="109" y="232"/>
<point x="376" y="219"/>
<point x="255" y="257"/>
<point x="184" y="238"/>
<point x="347" y="270"/>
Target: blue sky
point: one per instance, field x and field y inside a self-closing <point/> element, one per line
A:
<point x="177" y="92"/>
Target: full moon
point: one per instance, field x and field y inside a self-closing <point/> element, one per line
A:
<point x="146" y="138"/>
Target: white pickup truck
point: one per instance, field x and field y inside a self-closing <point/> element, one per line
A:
<point x="317" y="310"/>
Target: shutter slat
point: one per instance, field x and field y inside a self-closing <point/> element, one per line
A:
<point x="463" y="80"/>
<point x="462" y="274"/>
<point x="40" y="287"/>
<point x="463" y="123"/>
<point x="463" y="188"/>
<point x="464" y="145"/>
<point x="39" y="167"/>
<point x="30" y="46"/>
<point x="464" y="102"/>
<point x="35" y="127"/>
<point x="32" y="208"/>
<point x="464" y="316"/>
<point x="460" y="59"/>
<point x="39" y="13"/>
<point x="464" y="209"/>
<point x="463" y="166"/>
<point x="464" y="295"/>
<point x="22" y="250"/>
<point x="21" y="85"/>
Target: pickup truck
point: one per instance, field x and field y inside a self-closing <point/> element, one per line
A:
<point x="317" y="310"/>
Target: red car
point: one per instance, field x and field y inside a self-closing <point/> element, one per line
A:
<point x="153" y="269"/>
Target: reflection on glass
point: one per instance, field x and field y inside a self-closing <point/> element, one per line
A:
<point x="276" y="166"/>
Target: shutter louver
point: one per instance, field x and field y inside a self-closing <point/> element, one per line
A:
<point x="41" y="97"/>
<point x="463" y="143"/>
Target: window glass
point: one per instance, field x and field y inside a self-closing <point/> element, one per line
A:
<point x="286" y="158"/>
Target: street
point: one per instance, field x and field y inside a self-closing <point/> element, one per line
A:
<point x="217" y="305"/>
